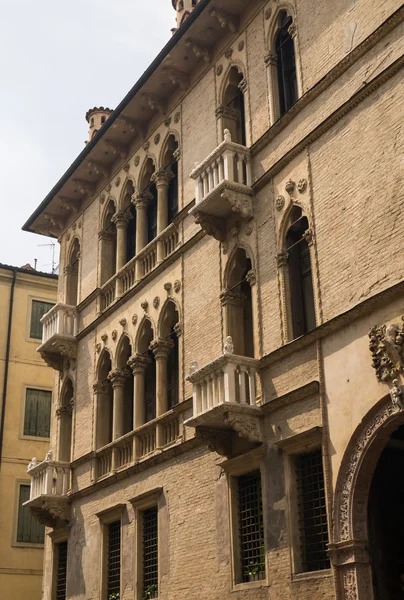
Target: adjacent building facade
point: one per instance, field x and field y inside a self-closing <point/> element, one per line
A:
<point x="228" y="340"/>
<point x="25" y="419"/>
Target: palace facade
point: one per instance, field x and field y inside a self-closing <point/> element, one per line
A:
<point x="228" y="338"/>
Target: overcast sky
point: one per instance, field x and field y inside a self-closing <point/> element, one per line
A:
<point x="57" y="60"/>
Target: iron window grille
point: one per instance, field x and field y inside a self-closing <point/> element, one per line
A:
<point x="114" y="559"/>
<point x="150" y="553"/>
<point x="61" y="571"/>
<point x="251" y="527"/>
<point x="313" y="527"/>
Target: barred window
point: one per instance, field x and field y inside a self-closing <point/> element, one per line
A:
<point x="29" y="531"/>
<point x="251" y="527"/>
<point x="150" y="553"/>
<point x="313" y="526"/>
<point x="61" y="570"/>
<point x="38" y="310"/>
<point x="114" y="560"/>
<point x="37" y="412"/>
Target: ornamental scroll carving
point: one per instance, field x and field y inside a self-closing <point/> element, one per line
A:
<point x="386" y="346"/>
<point x="246" y="426"/>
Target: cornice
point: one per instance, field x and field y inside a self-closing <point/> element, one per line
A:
<point x="301" y="393"/>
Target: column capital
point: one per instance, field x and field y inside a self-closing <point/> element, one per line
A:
<point x="162" y="177"/>
<point x="141" y="199"/>
<point x="282" y="259"/>
<point x="118" y="377"/>
<point x="100" y="388"/>
<point x="66" y="410"/>
<point x="225" y="111"/>
<point x="270" y="58"/>
<point x="228" y="297"/>
<point x="138" y="363"/>
<point x="105" y="235"/>
<point x="161" y="347"/>
<point x="121" y="218"/>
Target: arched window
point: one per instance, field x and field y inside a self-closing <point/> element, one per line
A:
<point x="124" y="352"/>
<point x="108" y="244"/>
<point x="238" y="304"/>
<point x="147" y="185"/>
<point x="65" y="424"/>
<point x="102" y="120"/>
<point x="131" y="230"/>
<point x="170" y="163"/>
<point x="104" y="401"/>
<point x="234" y="109"/>
<point x="169" y="320"/>
<point x="286" y="64"/>
<point x="92" y="121"/>
<point x="300" y="275"/>
<point x="72" y="274"/>
<point x="146" y="336"/>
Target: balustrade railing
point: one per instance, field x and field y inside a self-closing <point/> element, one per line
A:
<point x="61" y="319"/>
<point x="104" y="462"/>
<point x="229" y="162"/>
<point x="108" y="293"/>
<point x="49" y="478"/>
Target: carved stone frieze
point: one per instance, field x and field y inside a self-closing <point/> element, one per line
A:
<point x="248" y="427"/>
<point x="386" y="346"/>
<point x="216" y="440"/>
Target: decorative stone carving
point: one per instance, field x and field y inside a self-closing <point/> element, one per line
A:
<point x="251" y="277"/>
<point x="51" y="511"/>
<point x="177" y="77"/>
<point x="243" y="85"/>
<point x="240" y="46"/>
<point x="157" y="138"/>
<point x="66" y="410"/>
<point x="138" y="363"/>
<point x="248" y="230"/>
<point x="117" y="377"/>
<point x="386" y="346"/>
<point x="32" y="464"/>
<point x="229" y="53"/>
<point x="146" y="145"/>
<point x="270" y="58"/>
<point x="136" y="161"/>
<point x="216" y="440"/>
<point x="308" y="236"/>
<point x="247" y="427"/>
<point x="280" y="202"/>
<point x="167" y="122"/>
<point x="211" y="225"/>
<point x="117" y="181"/>
<point x="292" y="30"/>
<point x="219" y="70"/>
<point x="199" y="51"/>
<point x="177" y="117"/>
<point x="134" y="319"/>
<point x="302" y="185"/>
<point x="224" y="19"/>
<point x="121" y="218"/>
<point x="350" y="586"/>
<point x="154" y="102"/>
<point x="228" y="297"/>
<point x="162" y="177"/>
<point x="167" y="286"/>
<point x="193" y="367"/>
<point x="100" y="387"/>
<point x="225" y="247"/>
<point x="282" y="259"/>
<point x="161" y="347"/>
<point x="123" y="322"/>
<point x="108" y="188"/>
<point x="396" y="394"/>
<point x="144" y="305"/>
<point x="225" y="112"/>
<point x="49" y="456"/>
<point x="290" y="186"/>
<point x="177" y="286"/>
<point x="156" y="302"/>
<point x="228" y="348"/>
<point x="114" y="335"/>
<point x="104" y="337"/>
<point x="177" y="154"/>
<point x="268" y="14"/>
<point x="98" y="348"/>
<point x="178" y="329"/>
<point x="126" y="168"/>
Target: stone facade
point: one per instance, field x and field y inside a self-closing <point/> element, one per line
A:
<point x="331" y="162"/>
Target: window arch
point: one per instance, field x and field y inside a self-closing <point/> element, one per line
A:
<point x="128" y="208"/>
<point x="168" y="330"/>
<point x="301" y="294"/>
<point x="108" y="244"/>
<point x="237" y="301"/>
<point x="72" y="274"/>
<point x="65" y="424"/>
<point x="234" y="108"/>
<point x="104" y="401"/>
<point x="145" y="337"/>
<point x="123" y="354"/>
<point x="147" y="185"/>
<point x="170" y="163"/>
<point x="286" y="63"/>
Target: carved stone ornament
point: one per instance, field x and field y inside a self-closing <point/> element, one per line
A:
<point x="229" y="53"/>
<point x="211" y="225"/>
<point x="292" y="30"/>
<point x="157" y="138"/>
<point x="243" y="85"/>
<point x="248" y="230"/>
<point x="386" y="346"/>
<point x="225" y="247"/>
<point x="167" y="286"/>
<point x="247" y="427"/>
<point x="51" y="511"/>
<point x="98" y="348"/>
<point x="224" y="19"/>
<point x="118" y="377"/>
<point x="156" y="302"/>
<point x="114" y="335"/>
<point x="126" y="168"/>
<point x="134" y="319"/>
<point x="117" y="181"/>
<point x="102" y="198"/>
<point x="178" y="329"/>
<point x="144" y="305"/>
<point x="270" y="58"/>
<point x="177" y="286"/>
<point x="146" y="145"/>
<point x="282" y="259"/>
<point x="104" y="337"/>
<point x="65" y="411"/>
<point x="137" y="161"/>
<point x="308" y="236"/>
<point x="280" y="202"/>
<point x="251" y="277"/>
<point x="177" y="117"/>
<point x="216" y="440"/>
<point x="167" y="122"/>
<point x="108" y="188"/>
<point x="161" y="347"/>
<point x="193" y="367"/>
<point x="240" y="46"/>
<point x="199" y="51"/>
<point x="138" y="363"/>
<point x="302" y="185"/>
<point x="219" y="70"/>
<point x="228" y="348"/>
<point x="290" y="186"/>
<point x="123" y="322"/>
<point x="396" y="394"/>
<point x="268" y="14"/>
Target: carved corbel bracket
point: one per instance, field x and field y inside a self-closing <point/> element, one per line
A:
<point x="177" y="77"/>
<point x="239" y="203"/>
<point x="216" y="440"/>
<point x="224" y="19"/>
<point x="154" y="102"/>
<point x="214" y="226"/>
<point x="115" y="149"/>
<point x="247" y="426"/>
<point x="199" y="51"/>
<point x="51" y="511"/>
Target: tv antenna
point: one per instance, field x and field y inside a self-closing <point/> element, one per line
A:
<point x="53" y="246"/>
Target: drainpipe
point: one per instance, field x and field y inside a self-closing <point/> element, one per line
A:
<point x="6" y="364"/>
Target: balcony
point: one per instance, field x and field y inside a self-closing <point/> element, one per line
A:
<point x="59" y="335"/>
<point x="50" y="484"/>
<point x="223" y="187"/>
<point x="224" y="398"/>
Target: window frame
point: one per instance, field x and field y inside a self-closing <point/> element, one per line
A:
<point x="141" y="503"/>
<point x="58" y="536"/>
<point x="234" y="468"/>
<point x="41" y="388"/>
<point x="106" y="517"/>
<point x="32" y="299"/>
<point x="16" y="512"/>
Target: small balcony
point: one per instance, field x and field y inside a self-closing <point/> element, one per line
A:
<point x="223" y="187"/>
<point x="59" y="335"/>
<point x="50" y="484"/>
<point x="224" y="397"/>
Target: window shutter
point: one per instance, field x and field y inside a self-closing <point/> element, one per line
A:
<point x="29" y="531"/>
<point x="37" y="312"/>
<point x="37" y="413"/>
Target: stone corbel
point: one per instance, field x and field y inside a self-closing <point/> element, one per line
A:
<point x="65" y="410"/>
<point x="69" y="205"/>
<point x="177" y="77"/>
<point x="115" y="149"/>
<point x="98" y="168"/>
<point x="56" y="224"/>
<point x="270" y="58"/>
<point x="154" y="102"/>
<point x="51" y="511"/>
<point x="85" y="188"/>
<point x="248" y="427"/>
<point x="199" y="51"/>
<point x="224" y="19"/>
<point x="216" y="440"/>
<point x="213" y="226"/>
<point x="226" y="112"/>
<point x="239" y="203"/>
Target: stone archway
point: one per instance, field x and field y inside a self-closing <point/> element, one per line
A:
<point x="349" y="550"/>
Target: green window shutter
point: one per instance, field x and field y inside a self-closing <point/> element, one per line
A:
<point x="29" y="531"/>
<point x="37" y="312"/>
<point x="38" y="405"/>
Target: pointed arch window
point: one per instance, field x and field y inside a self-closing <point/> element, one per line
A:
<point x="152" y="214"/>
<point x="104" y="401"/>
<point x="286" y="64"/>
<point x="72" y="274"/>
<point x="171" y="164"/>
<point x="130" y="210"/>
<point x="300" y="274"/>
<point x="65" y="423"/>
<point x="234" y="107"/>
<point x="108" y="240"/>
<point x="169" y="330"/>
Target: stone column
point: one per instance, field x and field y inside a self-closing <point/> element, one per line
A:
<point x="121" y="220"/>
<point x="117" y="378"/>
<point x="351" y="562"/>
<point x="101" y="424"/>
<point x="138" y="365"/>
<point x="162" y="178"/>
<point x="232" y="303"/>
<point x="140" y="201"/>
<point x="161" y="349"/>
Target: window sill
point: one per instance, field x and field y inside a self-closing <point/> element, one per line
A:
<point x="250" y="585"/>
<point x="34" y="438"/>
<point x="27" y="545"/>
<point x="299" y="577"/>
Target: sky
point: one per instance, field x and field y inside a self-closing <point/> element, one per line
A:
<point x="57" y="60"/>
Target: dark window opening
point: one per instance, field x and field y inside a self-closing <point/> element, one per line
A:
<point x="286" y="64"/>
<point x="114" y="559"/>
<point x="152" y="214"/>
<point x="240" y="311"/>
<point x="300" y="276"/>
<point x="131" y="235"/>
<point x="251" y="527"/>
<point x="173" y="193"/>
<point x="150" y="388"/>
<point x="233" y="99"/>
<point x="313" y="525"/>
<point x="172" y="373"/>
<point x="61" y="570"/>
<point x="29" y="531"/>
<point x="150" y="553"/>
<point x="102" y="120"/>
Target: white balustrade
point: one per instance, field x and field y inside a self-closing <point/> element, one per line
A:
<point x="61" y="319"/>
<point x="229" y="162"/>
<point x="49" y="478"/>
